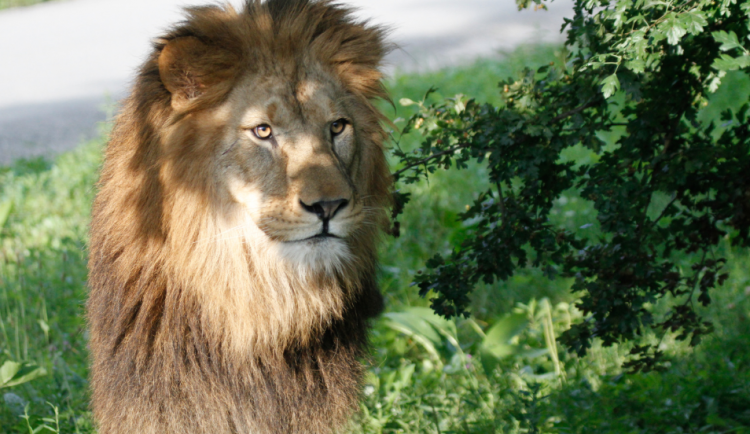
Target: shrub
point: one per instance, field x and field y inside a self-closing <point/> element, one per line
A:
<point x="668" y="179"/>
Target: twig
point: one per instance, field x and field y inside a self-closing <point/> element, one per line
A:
<point x="502" y="203"/>
<point x="653" y="223"/>
<point x="695" y="281"/>
<point x="578" y="109"/>
<point x="554" y="120"/>
<point x="431" y="157"/>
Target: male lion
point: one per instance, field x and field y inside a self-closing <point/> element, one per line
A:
<point x="233" y="241"/>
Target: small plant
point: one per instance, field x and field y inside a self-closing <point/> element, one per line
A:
<point x="46" y="422"/>
<point x="526" y="407"/>
<point x="508" y="337"/>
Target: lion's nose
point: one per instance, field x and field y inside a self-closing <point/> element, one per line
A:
<point x="325" y="209"/>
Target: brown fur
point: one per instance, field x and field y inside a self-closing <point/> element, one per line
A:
<point x="207" y="313"/>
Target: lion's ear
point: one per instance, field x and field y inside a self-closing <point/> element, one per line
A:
<point x="195" y="73"/>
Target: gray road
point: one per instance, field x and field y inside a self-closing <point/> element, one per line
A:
<point x="45" y="129"/>
<point x="63" y="61"/>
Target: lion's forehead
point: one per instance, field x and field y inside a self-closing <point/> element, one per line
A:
<point x="287" y="104"/>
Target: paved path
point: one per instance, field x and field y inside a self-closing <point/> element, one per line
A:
<point x="63" y="61"/>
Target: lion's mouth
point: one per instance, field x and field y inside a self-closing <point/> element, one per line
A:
<point x="317" y="238"/>
<point x="320" y="237"/>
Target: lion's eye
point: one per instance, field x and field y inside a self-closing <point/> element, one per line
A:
<point x="338" y="127"/>
<point x="263" y="131"/>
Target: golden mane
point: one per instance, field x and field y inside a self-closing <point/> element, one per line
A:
<point x="196" y="331"/>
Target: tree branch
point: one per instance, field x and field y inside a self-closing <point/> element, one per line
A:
<point x="656" y="220"/>
<point x="578" y="109"/>
<point x="554" y="120"/>
<point x="431" y="157"/>
<point x="503" y="217"/>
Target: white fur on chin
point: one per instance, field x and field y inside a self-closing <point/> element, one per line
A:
<point x="316" y="254"/>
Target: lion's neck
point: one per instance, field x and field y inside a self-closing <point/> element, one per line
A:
<point x="252" y="297"/>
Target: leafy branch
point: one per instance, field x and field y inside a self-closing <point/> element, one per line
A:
<point x="644" y="66"/>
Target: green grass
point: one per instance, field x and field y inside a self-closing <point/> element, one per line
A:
<point x="43" y="284"/>
<point x="7" y="4"/>
<point x="426" y="375"/>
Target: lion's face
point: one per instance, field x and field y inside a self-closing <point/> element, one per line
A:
<point x="278" y="132"/>
<point x="290" y="159"/>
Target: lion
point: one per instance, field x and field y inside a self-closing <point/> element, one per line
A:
<point x="234" y="232"/>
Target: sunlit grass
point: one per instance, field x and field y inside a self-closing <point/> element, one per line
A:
<point x="43" y="285"/>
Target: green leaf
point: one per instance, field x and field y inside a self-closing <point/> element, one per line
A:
<point x="636" y="65"/>
<point x="497" y="341"/>
<point x="405" y="374"/>
<point x="714" y="83"/>
<point x="675" y="30"/>
<point x="653" y="3"/>
<point x="505" y="329"/>
<point x="6" y="207"/>
<point x="694" y="21"/>
<point x="14" y="373"/>
<point x="459" y="106"/>
<point x="44" y="326"/>
<point x="610" y="85"/>
<point x="424" y="326"/>
<point x="728" y="40"/>
<point x="715" y="419"/>
<point x="8" y="370"/>
<point x="729" y="63"/>
<point x="446" y="327"/>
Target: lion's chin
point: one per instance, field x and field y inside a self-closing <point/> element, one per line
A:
<point x="319" y="253"/>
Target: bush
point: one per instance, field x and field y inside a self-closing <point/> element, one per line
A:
<point x="668" y="183"/>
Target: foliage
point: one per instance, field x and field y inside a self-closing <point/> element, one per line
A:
<point x="440" y="339"/>
<point x="666" y="184"/>
<point x="708" y="390"/>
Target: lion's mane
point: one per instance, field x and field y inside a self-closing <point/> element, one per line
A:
<point x="197" y="336"/>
